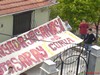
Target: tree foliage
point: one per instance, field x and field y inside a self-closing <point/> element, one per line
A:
<point x="76" y="10"/>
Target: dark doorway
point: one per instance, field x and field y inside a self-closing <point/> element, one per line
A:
<point x="21" y="23"/>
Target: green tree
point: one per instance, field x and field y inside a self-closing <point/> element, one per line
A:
<point x="76" y="10"/>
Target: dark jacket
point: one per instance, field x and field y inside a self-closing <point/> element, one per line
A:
<point x="89" y="39"/>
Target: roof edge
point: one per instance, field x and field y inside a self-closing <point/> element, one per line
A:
<point x="28" y="10"/>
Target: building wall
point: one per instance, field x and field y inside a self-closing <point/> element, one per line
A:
<point x="6" y="27"/>
<point x="34" y="71"/>
<point x="40" y="16"/>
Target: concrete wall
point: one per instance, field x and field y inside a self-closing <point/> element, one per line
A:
<point x="41" y="16"/>
<point x="34" y="71"/>
<point x="94" y="61"/>
<point x="6" y="27"/>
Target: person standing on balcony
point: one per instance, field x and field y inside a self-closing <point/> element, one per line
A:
<point x="68" y="27"/>
<point x="89" y="39"/>
<point x="83" y="29"/>
<point x="9" y="72"/>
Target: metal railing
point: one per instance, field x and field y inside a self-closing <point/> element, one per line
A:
<point x="73" y="61"/>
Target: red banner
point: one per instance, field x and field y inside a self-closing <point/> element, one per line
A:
<point x="32" y="47"/>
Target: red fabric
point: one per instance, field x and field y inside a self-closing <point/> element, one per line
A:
<point x="83" y="28"/>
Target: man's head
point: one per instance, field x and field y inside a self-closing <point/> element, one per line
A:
<point x="89" y="30"/>
<point x="83" y="21"/>
<point x="10" y="68"/>
<point x="66" y="22"/>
